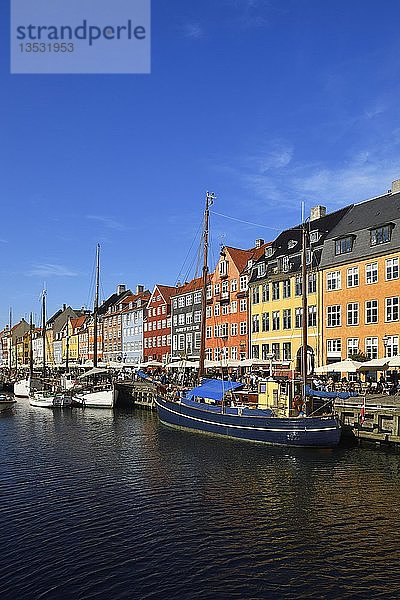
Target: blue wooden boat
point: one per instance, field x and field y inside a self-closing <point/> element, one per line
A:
<point x="250" y="424"/>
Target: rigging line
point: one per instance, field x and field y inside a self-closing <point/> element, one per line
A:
<point x="188" y="253"/>
<point x="241" y="221"/>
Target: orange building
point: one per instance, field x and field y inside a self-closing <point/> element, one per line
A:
<point x="227" y="310"/>
<point x="360" y="281"/>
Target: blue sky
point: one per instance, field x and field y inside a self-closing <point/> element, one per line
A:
<point x="266" y="103"/>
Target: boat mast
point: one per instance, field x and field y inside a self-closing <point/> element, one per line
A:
<point x="30" y="346"/>
<point x="44" y="331"/>
<point x="10" y="338"/>
<point x="96" y="306"/>
<point x="305" y="315"/>
<point x="210" y="197"/>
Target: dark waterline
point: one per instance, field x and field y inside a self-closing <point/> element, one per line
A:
<point x="102" y="505"/>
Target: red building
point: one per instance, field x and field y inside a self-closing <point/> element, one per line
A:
<point x="157" y="325"/>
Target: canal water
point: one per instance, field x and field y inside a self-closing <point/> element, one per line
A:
<point x="102" y="505"/>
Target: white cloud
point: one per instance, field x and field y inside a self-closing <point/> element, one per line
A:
<point x="107" y="222"/>
<point x="192" y="30"/>
<point x="50" y="270"/>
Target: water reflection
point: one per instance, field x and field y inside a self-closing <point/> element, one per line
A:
<point x="122" y="507"/>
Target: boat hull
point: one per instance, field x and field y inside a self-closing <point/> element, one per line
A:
<point x="6" y="403"/>
<point x="98" y="399"/>
<point x="22" y="388"/>
<point x="317" y="432"/>
<point x="41" y="400"/>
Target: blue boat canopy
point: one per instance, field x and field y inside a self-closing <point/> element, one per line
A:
<point x="213" y="389"/>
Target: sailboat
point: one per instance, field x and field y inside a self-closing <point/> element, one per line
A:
<point x="98" y="389"/>
<point x="205" y="408"/>
<point x="47" y="398"/>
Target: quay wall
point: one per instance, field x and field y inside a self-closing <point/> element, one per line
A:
<point x="381" y="422"/>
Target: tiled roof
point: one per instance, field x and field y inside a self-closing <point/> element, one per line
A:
<point x="166" y="291"/>
<point x="241" y="257"/>
<point x="78" y="322"/>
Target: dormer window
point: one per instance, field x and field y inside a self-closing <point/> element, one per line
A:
<point x="381" y="235"/>
<point x="314" y="236"/>
<point x="285" y="264"/>
<point x="269" y="251"/>
<point x="291" y="244"/>
<point x="223" y="267"/>
<point x="250" y="263"/>
<point x="261" y="269"/>
<point x="344" y="245"/>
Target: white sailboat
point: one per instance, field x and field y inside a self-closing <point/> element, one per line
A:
<point x="98" y="391"/>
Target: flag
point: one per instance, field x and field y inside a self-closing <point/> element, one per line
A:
<point x="362" y="412"/>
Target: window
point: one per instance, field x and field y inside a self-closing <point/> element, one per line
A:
<point x="175" y="320"/>
<point x="352" y="277"/>
<point x="344" y="245"/>
<point x="255" y="351"/>
<point x="234" y="307"/>
<point x="287" y="318"/>
<point x="353" y="313"/>
<point x="286" y="288"/>
<point x="197" y="298"/>
<point x="243" y="283"/>
<point x="181" y="341"/>
<point x="265" y="292"/>
<point x="243" y="328"/>
<point x="312" y="316"/>
<point x="298" y="285"/>
<point x="197" y="337"/>
<point x="216" y="289"/>
<point x="275" y="290"/>
<point x="208" y="332"/>
<point x="233" y="285"/>
<point x="285" y="264"/>
<point x="189" y="318"/>
<point x="265" y="322"/>
<point x="209" y="292"/>
<point x="189" y="300"/>
<point x="275" y="320"/>
<point x="276" y="351"/>
<point x="314" y="236"/>
<point x="216" y="310"/>
<point x="352" y="346"/>
<point x="234" y="353"/>
<point x="181" y="319"/>
<point x="392" y="309"/>
<point x="225" y="309"/>
<point x="312" y="283"/>
<point x="287" y="351"/>
<point x="264" y="351"/>
<point x="208" y="312"/>
<point x="298" y="313"/>
<point x="392" y="345"/>
<point x="234" y="329"/>
<point x="223" y="267"/>
<point x="371" y="311"/>
<point x="181" y="301"/>
<point x="371" y="347"/>
<point x="334" y="315"/>
<point x="243" y="305"/>
<point x="334" y="346"/>
<point x="333" y="281"/>
<point x="380" y="235"/>
<point x="255" y="323"/>
<point x="392" y="268"/>
<point x="371" y="273"/>
<point x="256" y="295"/>
<point x="261" y="269"/>
<point x="225" y="288"/>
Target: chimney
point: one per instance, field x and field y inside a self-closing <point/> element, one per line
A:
<point x="259" y="243"/>
<point x="317" y="212"/>
<point x="121" y="288"/>
<point x="395" y="186"/>
<point x="139" y="289"/>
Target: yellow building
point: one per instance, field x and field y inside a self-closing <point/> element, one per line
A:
<point x="276" y="297"/>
